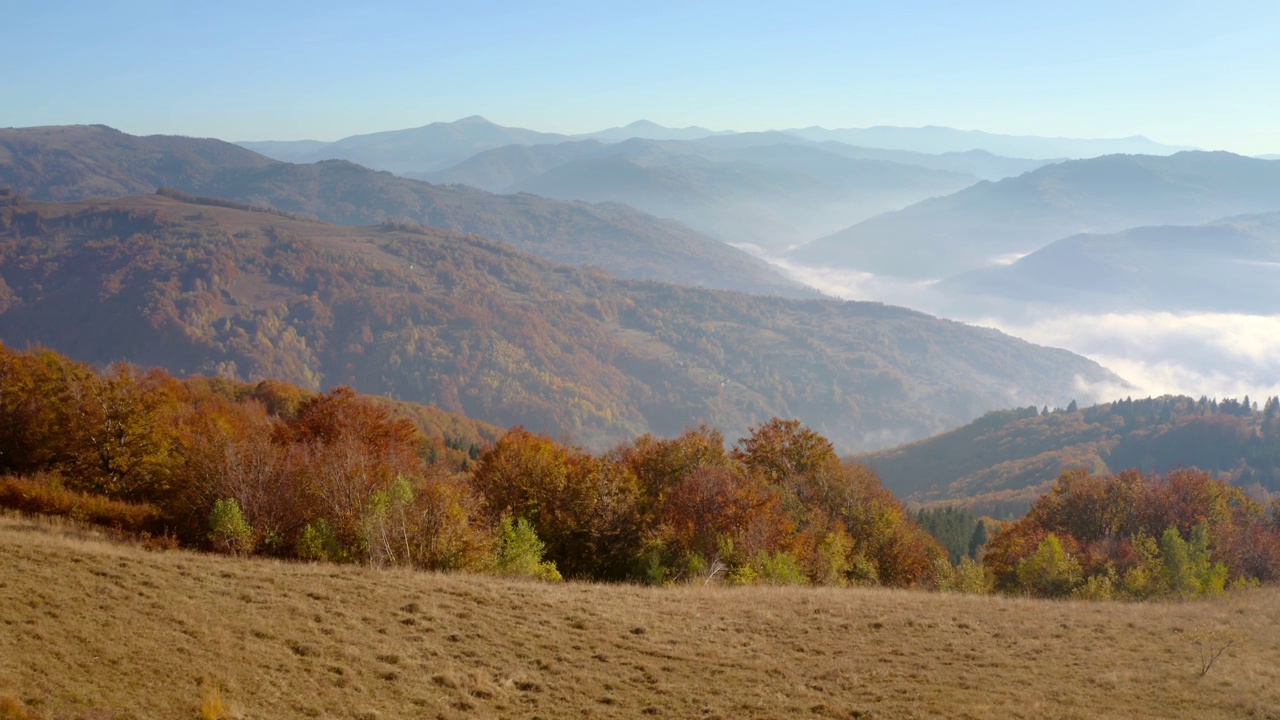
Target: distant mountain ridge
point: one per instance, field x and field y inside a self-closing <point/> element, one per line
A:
<point x="647" y="130"/>
<point x="438" y="145"/>
<point x="741" y="189"/>
<point x="71" y="163"/>
<point x="935" y="139"/>
<point x="983" y="224"/>
<point x="422" y="149"/>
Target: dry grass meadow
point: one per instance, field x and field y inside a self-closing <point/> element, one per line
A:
<point x="91" y="629"/>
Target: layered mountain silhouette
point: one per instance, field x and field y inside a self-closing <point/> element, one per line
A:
<point x="1232" y="265"/>
<point x="995" y="222"/>
<point x="740" y="189"/>
<point x="650" y="131"/>
<point x="422" y="149"/>
<point x="473" y="326"/>
<point x="934" y="139"/>
<point x="439" y="145"/>
<point x="69" y="163"/>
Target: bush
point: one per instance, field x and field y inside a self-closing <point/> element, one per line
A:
<point x="1187" y="570"/>
<point x="520" y="552"/>
<point x="318" y="543"/>
<point x="972" y="578"/>
<point x="969" y="577"/>
<point x="11" y="708"/>
<point x="1050" y="571"/>
<point x="782" y="568"/>
<point x="44" y="495"/>
<point x="230" y="532"/>
<point x="1096" y="587"/>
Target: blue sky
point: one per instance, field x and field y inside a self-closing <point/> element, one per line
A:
<point x="1193" y="73"/>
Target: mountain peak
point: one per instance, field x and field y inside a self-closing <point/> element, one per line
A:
<point x="471" y="120"/>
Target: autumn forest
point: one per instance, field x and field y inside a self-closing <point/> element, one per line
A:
<point x="269" y="468"/>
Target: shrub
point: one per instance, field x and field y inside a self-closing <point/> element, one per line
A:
<point x="1187" y="569"/>
<point x="1145" y="578"/>
<point x="1096" y="587"/>
<point x="520" y="552"/>
<point x="781" y="568"/>
<point x="230" y="532"/>
<point x="968" y="577"/>
<point x="318" y="543"/>
<point x="1050" y="571"/>
<point x="972" y="578"/>
<point x="386" y="525"/>
<point x="832" y="566"/>
<point x="44" y="494"/>
<point x="211" y="705"/>
<point x="942" y="575"/>
<point x="11" y="708"/>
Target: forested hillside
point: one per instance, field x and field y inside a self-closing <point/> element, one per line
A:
<point x="73" y="163"/>
<point x="474" y="327"/>
<point x="999" y="463"/>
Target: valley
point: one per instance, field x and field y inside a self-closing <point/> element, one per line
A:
<point x="509" y="360"/>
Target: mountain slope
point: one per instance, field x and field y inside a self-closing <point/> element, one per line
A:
<point x="79" y="161"/>
<point x="70" y="163"/>
<point x="1231" y="265"/>
<point x="1001" y="462"/>
<point x="423" y="149"/>
<point x="773" y="195"/>
<point x="500" y="168"/>
<point x="472" y="326"/>
<point x="979" y="163"/>
<point x="980" y="225"/>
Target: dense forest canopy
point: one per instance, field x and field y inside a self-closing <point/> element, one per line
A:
<point x="1137" y="535"/>
<point x="999" y="463"/>
<point x="270" y="468"/>
<point x="474" y="327"/>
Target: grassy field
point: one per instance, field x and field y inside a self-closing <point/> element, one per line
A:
<point x="93" y="629"/>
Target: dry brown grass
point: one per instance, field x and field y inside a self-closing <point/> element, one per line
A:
<point x="94" y="629"/>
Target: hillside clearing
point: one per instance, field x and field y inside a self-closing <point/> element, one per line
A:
<point x="90" y="628"/>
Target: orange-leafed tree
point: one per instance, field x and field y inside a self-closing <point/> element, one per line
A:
<point x="119" y="432"/>
<point x="1118" y="529"/>
<point x="720" y="513"/>
<point x="659" y="464"/>
<point x="838" y="508"/>
<point x="341" y="451"/>
<point x="582" y="507"/>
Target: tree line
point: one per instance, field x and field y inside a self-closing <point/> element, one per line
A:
<point x="271" y="469"/>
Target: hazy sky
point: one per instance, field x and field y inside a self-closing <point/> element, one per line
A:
<point x="1193" y="73"/>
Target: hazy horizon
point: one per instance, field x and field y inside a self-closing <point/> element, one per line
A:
<point x="1177" y="73"/>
